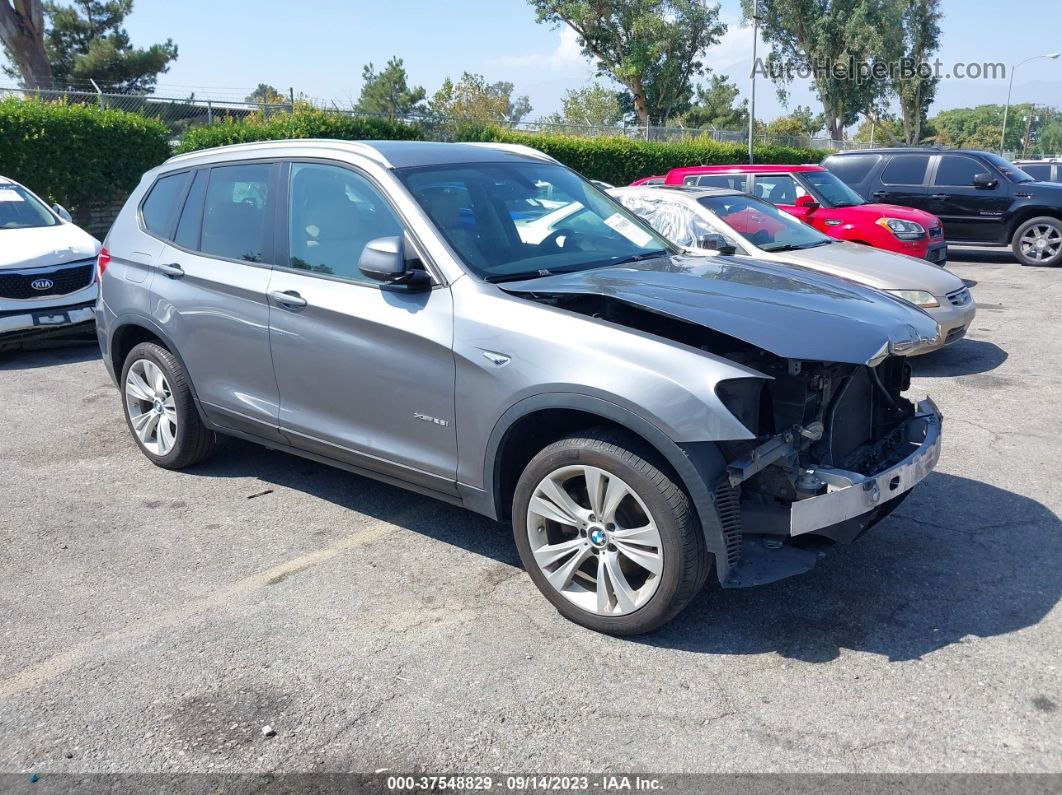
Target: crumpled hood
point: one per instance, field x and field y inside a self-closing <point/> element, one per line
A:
<point x="44" y="246"/>
<point x="793" y="313"/>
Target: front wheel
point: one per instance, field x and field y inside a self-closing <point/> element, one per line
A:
<point x="1038" y="241"/>
<point x="607" y="534"/>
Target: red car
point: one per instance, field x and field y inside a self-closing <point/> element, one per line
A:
<point x="820" y="199"/>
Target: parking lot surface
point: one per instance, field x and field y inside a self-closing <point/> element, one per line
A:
<point x="157" y="621"/>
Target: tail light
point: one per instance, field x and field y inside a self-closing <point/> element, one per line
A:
<point x="102" y="262"/>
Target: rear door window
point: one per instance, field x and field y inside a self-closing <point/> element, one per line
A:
<point x="733" y="181"/>
<point x="236" y="212"/>
<point x="906" y="170"/>
<point x="159" y="210"/>
<point x="187" y="235"/>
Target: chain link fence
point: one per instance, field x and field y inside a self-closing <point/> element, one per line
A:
<point x="181" y="113"/>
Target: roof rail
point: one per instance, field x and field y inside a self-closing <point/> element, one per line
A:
<point x="360" y="147"/>
<point x="520" y="149"/>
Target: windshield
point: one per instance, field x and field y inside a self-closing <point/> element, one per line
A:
<point x="20" y="209"/>
<point x="519" y="220"/>
<point x="1008" y="169"/>
<point x="831" y="191"/>
<point x="763" y="224"/>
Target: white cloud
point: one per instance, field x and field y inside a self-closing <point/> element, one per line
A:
<point x="566" y="55"/>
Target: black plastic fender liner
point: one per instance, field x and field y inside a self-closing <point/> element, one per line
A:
<point x="699" y="465"/>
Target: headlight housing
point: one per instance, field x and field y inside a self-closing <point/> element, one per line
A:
<point x="903" y="230"/>
<point x="917" y="297"/>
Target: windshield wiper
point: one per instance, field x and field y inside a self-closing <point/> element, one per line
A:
<point x="516" y="277"/>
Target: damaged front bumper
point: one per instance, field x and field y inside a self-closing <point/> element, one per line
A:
<point x="776" y="545"/>
<point x="850" y="495"/>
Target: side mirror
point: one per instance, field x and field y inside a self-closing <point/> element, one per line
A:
<point x="384" y="260"/>
<point x="985" y="180"/>
<point x="808" y="203"/>
<point x="62" y="212"/>
<point x="716" y="242"/>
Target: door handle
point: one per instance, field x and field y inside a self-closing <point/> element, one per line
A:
<point x="288" y="299"/>
<point x="171" y="269"/>
<point x="939" y="196"/>
<point x="880" y="194"/>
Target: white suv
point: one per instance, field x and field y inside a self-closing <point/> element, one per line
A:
<point x="47" y="269"/>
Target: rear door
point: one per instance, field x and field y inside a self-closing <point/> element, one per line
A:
<point x="365" y="371"/>
<point x="903" y="181"/>
<point x="209" y="293"/>
<point x="969" y="213"/>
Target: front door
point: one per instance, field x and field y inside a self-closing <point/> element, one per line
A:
<point x="969" y="213"/>
<point x="365" y="371"/>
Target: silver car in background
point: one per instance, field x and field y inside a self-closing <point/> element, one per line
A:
<point x="705" y="220"/>
<point x="392" y="308"/>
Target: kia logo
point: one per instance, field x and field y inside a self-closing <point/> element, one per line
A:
<point x="42" y="284"/>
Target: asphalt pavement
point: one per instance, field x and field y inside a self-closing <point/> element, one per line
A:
<point x="157" y="621"/>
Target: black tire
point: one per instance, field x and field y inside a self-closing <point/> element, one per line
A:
<point x="685" y="558"/>
<point x="1053" y="224"/>
<point x="194" y="442"/>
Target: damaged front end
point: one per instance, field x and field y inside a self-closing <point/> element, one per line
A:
<point x="837" y="448"/>
<point x="833" y="445"/>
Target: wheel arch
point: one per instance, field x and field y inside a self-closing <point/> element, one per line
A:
<point x="1027" y="214"/>
<point x="131" y="330"/>
<point x="535" y="422"/>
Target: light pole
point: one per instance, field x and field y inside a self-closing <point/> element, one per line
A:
<point x="1006" y="108"/>
<point x="752" y="92"/>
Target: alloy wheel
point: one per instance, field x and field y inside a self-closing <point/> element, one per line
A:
<point x="1041" y="242"/>
<point x="152" y="411"/>
<point x="594" y="540"/>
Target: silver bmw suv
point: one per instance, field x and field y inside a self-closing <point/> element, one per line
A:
<point x="435" y="316"/>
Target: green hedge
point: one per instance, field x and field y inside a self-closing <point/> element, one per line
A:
<point x="620" y="161"/>
<point x="303" y="123"/>
<point x="77" y="154"/>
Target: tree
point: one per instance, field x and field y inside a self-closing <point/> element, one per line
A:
<point x="472" y="99"/>
<point x="831" y="41"/>
<point x="1050" y="140"/>
<point x="590" y="106"/>
<point x="265" y="94"/>
<point x="920" y="32"/>
<point x="388" y="92"/>
<point x="22" y="34"/>
<point x="714" y="106"/>
<point x="797" y="127"/>
<point x="978" y="128"/>
<point x="87" y="40"/>
<point x="881" y="129"/>
<point x="652" y="47"/>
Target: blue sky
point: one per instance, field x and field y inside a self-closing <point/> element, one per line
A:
<point x="320" y="46"/>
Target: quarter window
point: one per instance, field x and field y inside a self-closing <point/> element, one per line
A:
<point x="237" y="207"/>
<point x="334" y="212"/>
<point x="958" y="171"/>
<point x="906" y="170"/>
<point x="159" y="210"/>
<point x="852" y="169"/>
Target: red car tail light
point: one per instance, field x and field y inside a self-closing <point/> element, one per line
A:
<point x="102" y="262"/>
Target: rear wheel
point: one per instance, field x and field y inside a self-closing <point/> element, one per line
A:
<point x="160" y="410"/>
<point x="607" y="535"/>
<point x="1038" y="241"/>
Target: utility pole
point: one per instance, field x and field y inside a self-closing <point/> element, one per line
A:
<point x="1006" y="108"/>
<point x="752" y="91"/>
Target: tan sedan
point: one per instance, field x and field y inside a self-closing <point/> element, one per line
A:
<point x="719" y="221"/>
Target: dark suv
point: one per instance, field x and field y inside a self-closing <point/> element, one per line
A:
<point x="981" y="198"/>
